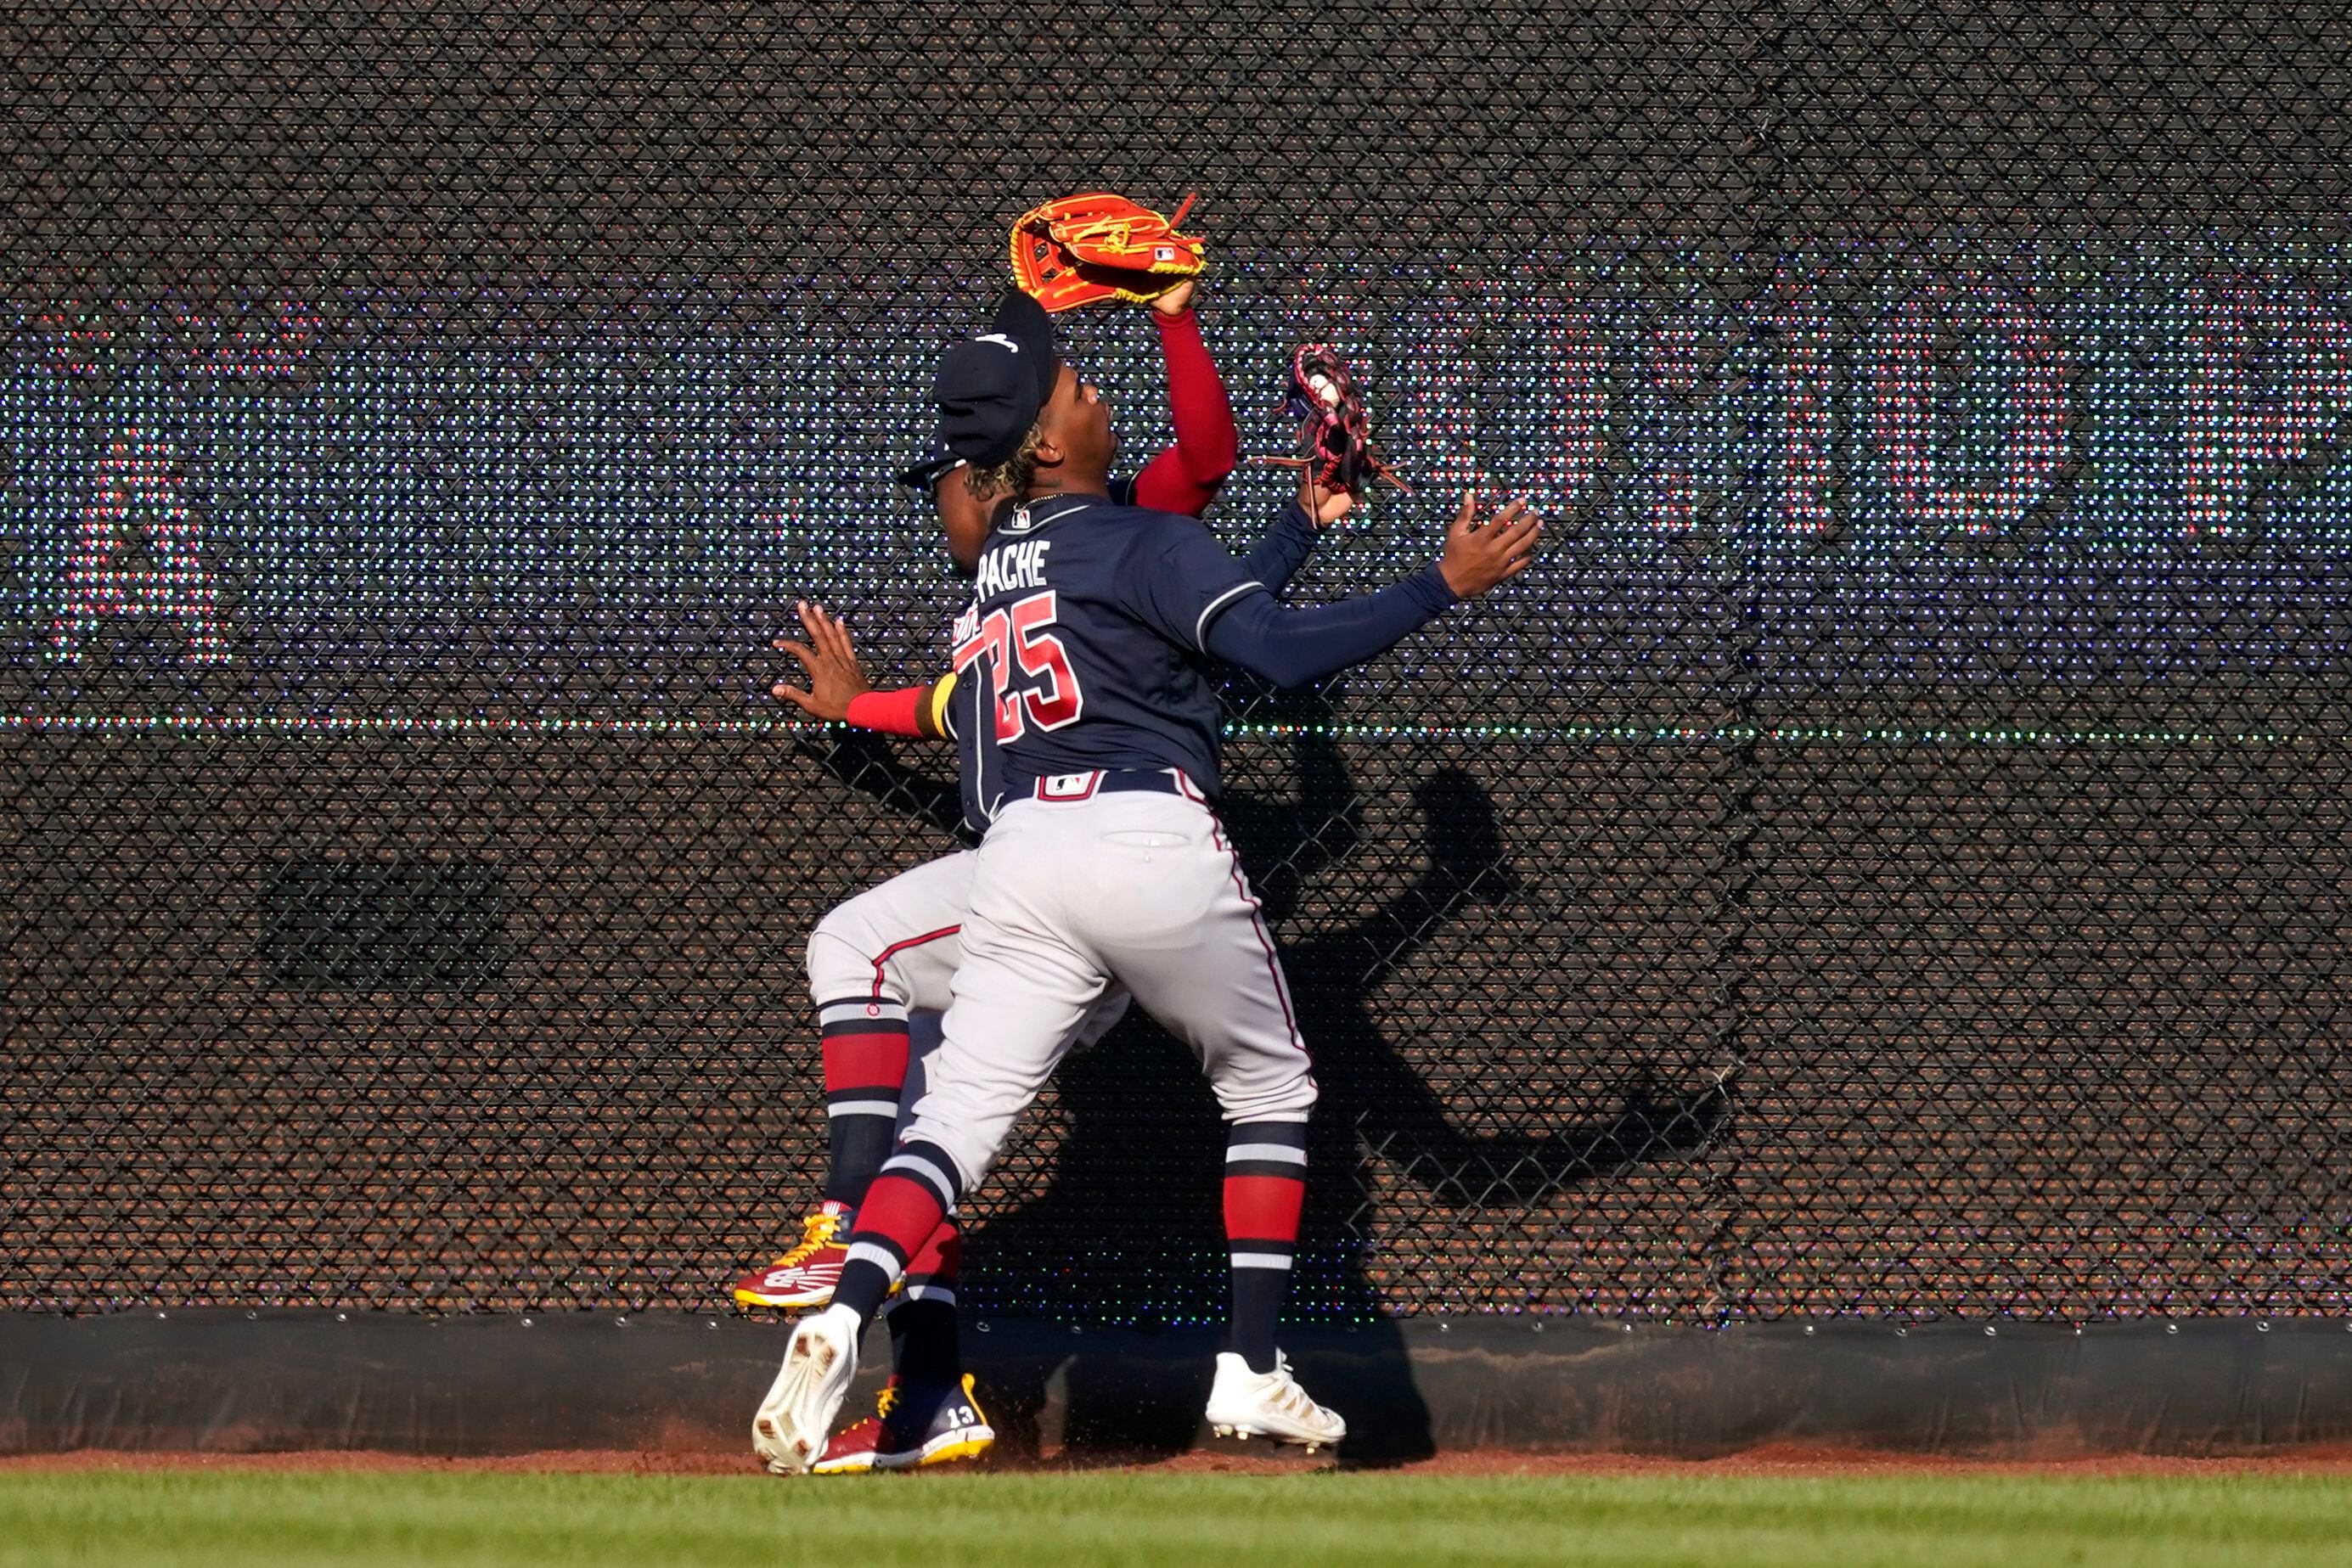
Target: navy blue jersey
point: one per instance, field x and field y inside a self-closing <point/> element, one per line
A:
<point x="1083" y="648"/>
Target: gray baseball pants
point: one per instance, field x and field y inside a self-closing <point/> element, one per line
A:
<point x="1076" y="891"/>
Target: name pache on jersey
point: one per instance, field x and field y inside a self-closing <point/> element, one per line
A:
<point x="1010" y="567"/>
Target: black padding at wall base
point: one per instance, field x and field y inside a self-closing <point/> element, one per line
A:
<point x="228" y="1380"/>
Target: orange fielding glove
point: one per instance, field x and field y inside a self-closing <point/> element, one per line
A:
<point x="1097" y="245"/>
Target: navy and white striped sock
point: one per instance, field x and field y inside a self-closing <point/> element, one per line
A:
<point x="866" y="1052"/>
<point x="924" y="1346"/>
<point x="1266" y="1187"/>
<point x="916" y="1190"/>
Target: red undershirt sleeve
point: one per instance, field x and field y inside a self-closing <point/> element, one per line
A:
<point x="1184" y="478"/>
<point x="892" y="713"/>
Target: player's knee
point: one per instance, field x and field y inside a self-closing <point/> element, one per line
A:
<point x="839" y="960"/>
<point x="944" y="1123"/>
<point x="1286" y="1099"/>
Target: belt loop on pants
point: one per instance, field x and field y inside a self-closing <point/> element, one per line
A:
<point x="1069" y="786"/>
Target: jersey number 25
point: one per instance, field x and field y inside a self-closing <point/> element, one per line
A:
<point x="1019" y="633"/>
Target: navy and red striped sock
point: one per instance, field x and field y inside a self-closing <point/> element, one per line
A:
<point x="915" y="1191"/>
<point x="1266" y="1187"/>
<point x="924" y="1345"/>
<point x="866" y="1052"/>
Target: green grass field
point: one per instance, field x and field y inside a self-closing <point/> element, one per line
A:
<point x="1194" y="1520"/>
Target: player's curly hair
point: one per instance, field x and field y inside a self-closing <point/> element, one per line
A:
<point x="1010" y="477"/>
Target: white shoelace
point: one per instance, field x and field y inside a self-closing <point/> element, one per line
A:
<point x="1288" y="1397"/>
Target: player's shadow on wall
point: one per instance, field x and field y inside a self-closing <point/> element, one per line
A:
<point x="1127" y="1228"/>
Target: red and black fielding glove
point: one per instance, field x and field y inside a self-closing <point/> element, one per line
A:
<point x="1097" y="245"/>
<point x="1335" y="428"/>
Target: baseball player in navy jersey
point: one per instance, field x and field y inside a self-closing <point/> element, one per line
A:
<point x="879" y="966"/>
<point x="1087" y="735"/>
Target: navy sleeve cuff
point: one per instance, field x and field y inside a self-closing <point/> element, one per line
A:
<point x="1284" y="551"/>
<point x="1428" y="588"/>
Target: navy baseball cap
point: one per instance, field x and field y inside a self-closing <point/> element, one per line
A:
<point x="990" y="388"/>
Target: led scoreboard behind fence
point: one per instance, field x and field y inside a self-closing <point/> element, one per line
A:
<point x="2036" y="437"/>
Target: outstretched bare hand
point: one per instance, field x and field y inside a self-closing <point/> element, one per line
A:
<point x="835" y="675"/>
<point x="1480" y="554"/>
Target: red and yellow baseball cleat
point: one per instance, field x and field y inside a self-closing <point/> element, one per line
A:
<point x="911" y="1427"/>
<point x="806" y="1276"/>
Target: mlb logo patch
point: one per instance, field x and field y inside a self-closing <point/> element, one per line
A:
<point x="1163" y="253"/>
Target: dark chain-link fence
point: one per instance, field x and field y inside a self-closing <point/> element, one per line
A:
<point x="1889" y="857"/>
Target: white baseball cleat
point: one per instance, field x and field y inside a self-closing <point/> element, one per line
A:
<point x="795" y="1417"/>
<point x="1245" y="1403"/>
